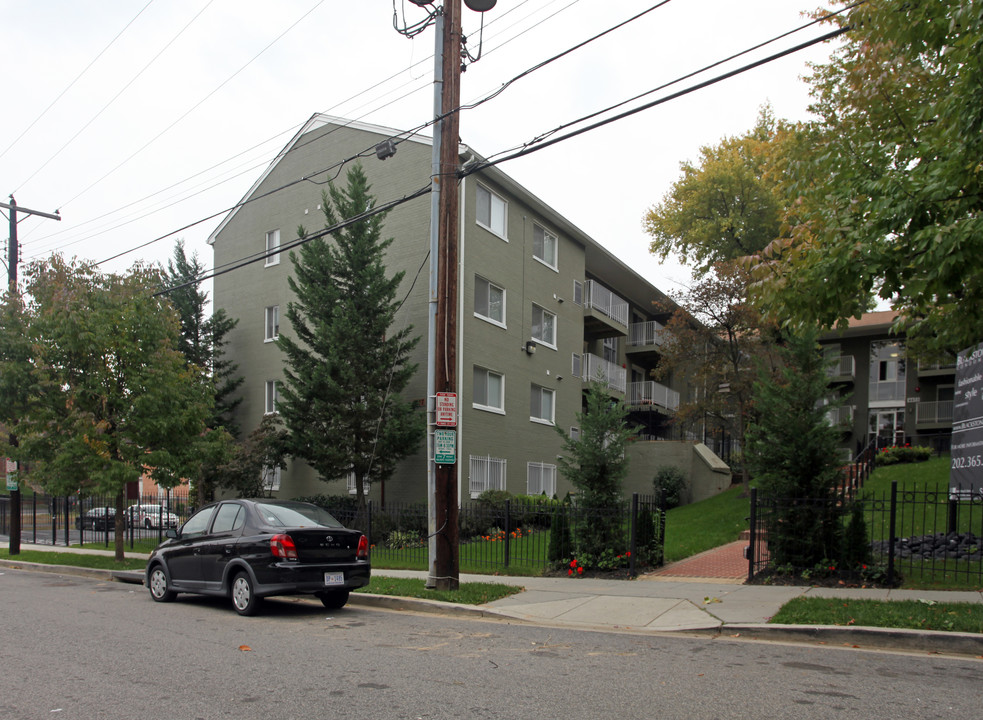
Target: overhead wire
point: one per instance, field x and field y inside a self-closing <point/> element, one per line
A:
<point x="72" y="83"/>
<point x="115" y="98"/>
<point x="333" y="129"/>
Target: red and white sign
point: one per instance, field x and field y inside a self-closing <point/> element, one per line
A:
<point x="446" y="409"/>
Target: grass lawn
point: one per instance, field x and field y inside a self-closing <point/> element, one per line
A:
<point x="910" y="614"/>
<point x="710" y="523"/>
<point x="100" y="562"/>
<point x="466" y="594"/>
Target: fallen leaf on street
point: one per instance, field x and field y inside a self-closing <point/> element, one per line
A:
<point x="245" y="648"/>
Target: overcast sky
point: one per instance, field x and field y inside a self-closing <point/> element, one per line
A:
<point x="136" y="119"/>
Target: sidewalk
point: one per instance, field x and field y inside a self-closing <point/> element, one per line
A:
<point x="665" y="602"/>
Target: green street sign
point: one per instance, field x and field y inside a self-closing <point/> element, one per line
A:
<point x="445" y="446"/>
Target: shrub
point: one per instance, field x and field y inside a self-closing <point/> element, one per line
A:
<point x="856" y="549"/>
<point x="670" y="480"/>
<point x="560" y="545"/>
<point x="648" y="551"/>
<point x="903" y="454"/>
<point x="399" y="539"/>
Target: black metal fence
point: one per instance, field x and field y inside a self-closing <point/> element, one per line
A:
<point x="528" y="535"/>
<point x="918" y="535"/>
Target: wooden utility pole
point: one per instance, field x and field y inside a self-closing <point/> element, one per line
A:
<point x="12" y="260"/>
<point x="447" y="563"/>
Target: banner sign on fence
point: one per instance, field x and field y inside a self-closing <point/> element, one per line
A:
<point x="967" y="422"/>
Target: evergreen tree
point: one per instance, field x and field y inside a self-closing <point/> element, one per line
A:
<point x="596" y="465"/>
<point x="203" y="339"/>
<point x="345" y="364"/>
<point x="792" y="453"/>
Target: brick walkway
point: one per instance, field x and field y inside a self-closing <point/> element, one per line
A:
<point x="724" y="562"/>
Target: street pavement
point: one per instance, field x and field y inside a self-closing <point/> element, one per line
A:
<point x="663" y="602"/>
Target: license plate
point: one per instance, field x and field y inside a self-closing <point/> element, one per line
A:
<point x="334" y="578"/>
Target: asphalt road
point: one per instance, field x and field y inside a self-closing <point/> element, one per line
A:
<point x="73" y="648"/>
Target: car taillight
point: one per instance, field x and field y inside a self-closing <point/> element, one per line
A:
<point x="363" y="548"/>
<point x="282" y="546"/>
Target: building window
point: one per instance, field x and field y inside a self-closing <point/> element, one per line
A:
<point x="492" y="211"/>
<point x="544" y="246"/>
<point x="610" y="349"/>
<point x="271" y="397"/>
<point x="543" y="326"/>
<point x="350" y="482"/>
<point x="540" y="479"/>
<point x="271" y="479"/>
<point x="272" y="245"/>
<point x="575" y="433"/>
<point x="887" y="372"/>
<point x="541" y="404"/>
<point x="578" y="292"/>
<point x="489" y="301"/>
<point x="577" y="365"/>
<point x="489" y="390"/>
<point x="486" y="473"/>
<point x="272" y="322"/>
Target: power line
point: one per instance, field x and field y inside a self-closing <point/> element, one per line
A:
<point x="116" y="97"/>
<point x="77" y="78"/>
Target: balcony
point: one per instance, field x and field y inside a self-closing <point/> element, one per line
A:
<point x="645" y="339"/>
<point x="605" y="314"/>
<point x="842" y="368"/>
<point x="841" y="417"/>
<point x="936" y="369"/>
<point x="653" y="394"/>
<point x="609" y="374"/>
<point x="933" y="415"/>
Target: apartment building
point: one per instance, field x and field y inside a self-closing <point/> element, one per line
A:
<point x="890" y="399"/>
<point x="543" y="308"/>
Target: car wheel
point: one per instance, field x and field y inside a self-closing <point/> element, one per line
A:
<point x="159" y="589"/>
<point x="244" y="598"/>
<point x="334" y="599"/>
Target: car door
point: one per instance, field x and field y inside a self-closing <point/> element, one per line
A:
<point x="184" y="556"/>
<point x="219" y="546"/>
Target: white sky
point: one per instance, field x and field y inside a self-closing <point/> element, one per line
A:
<point x="178" y="116"/>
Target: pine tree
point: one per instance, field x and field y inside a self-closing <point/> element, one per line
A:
<point x="792" y="453"/>
<point x="345" y="363"/>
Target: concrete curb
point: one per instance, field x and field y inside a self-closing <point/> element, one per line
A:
<point x="870" y="638"/>
<point x="434" y="607"/>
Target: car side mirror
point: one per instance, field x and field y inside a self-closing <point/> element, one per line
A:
<point x="171" y="533"/>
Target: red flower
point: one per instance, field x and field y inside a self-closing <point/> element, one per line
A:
<point x="628" y="554"/>
<point x="580" y="570"/>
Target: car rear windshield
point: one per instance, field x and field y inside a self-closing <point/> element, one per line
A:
<point x="298" y="515"/>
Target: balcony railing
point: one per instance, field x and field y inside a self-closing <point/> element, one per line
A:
<point x="841" y="416"/>
<point x="653" y="393"/>
<point x="890" y="390"/>
<point x="934" y="412"/>
<point x="604" y="371"/>
<point x="844" y="366"/>
<point x="599" y="298"/>
<point x="645" y="333"/>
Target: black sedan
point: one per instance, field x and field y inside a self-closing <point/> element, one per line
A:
<point x="250" y="549"/>
<point x="99" y="519"/>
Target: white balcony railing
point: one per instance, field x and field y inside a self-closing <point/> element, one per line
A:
<point x="841" y="416"/>
<point x="934" y="412"/>
<point x="645" y="333"/>
<point x="604" y="371"/>
<point x="598" y="297"/>
<point x="842" y="366"/>
<point x="653" y="393"/>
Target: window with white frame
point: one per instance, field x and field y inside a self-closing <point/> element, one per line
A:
<point x="544" y="246"/>
<point x="271" y="479"/>
<point x="540" y="479"/>
<point x="489" y="390"/>
<point x="577" y="365"/>
<point x="543" y="326"/>
<point x="272" y="246"/>
<point x="272" y="322"/>
<point x="489" y="301"/>
<point x="492" y="211"/>
<point x="270" y="397"/>
<point x="541" y="404"/>
<point x="578" y="292"/>
<point x="486" y="473"/>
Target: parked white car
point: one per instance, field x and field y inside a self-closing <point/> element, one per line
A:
<point x="151" y="516"/>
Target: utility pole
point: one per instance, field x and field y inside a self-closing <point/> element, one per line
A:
<point x="12" y="467"/>
<point x="447" y="561"/>
<point x="442" y="407"/>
